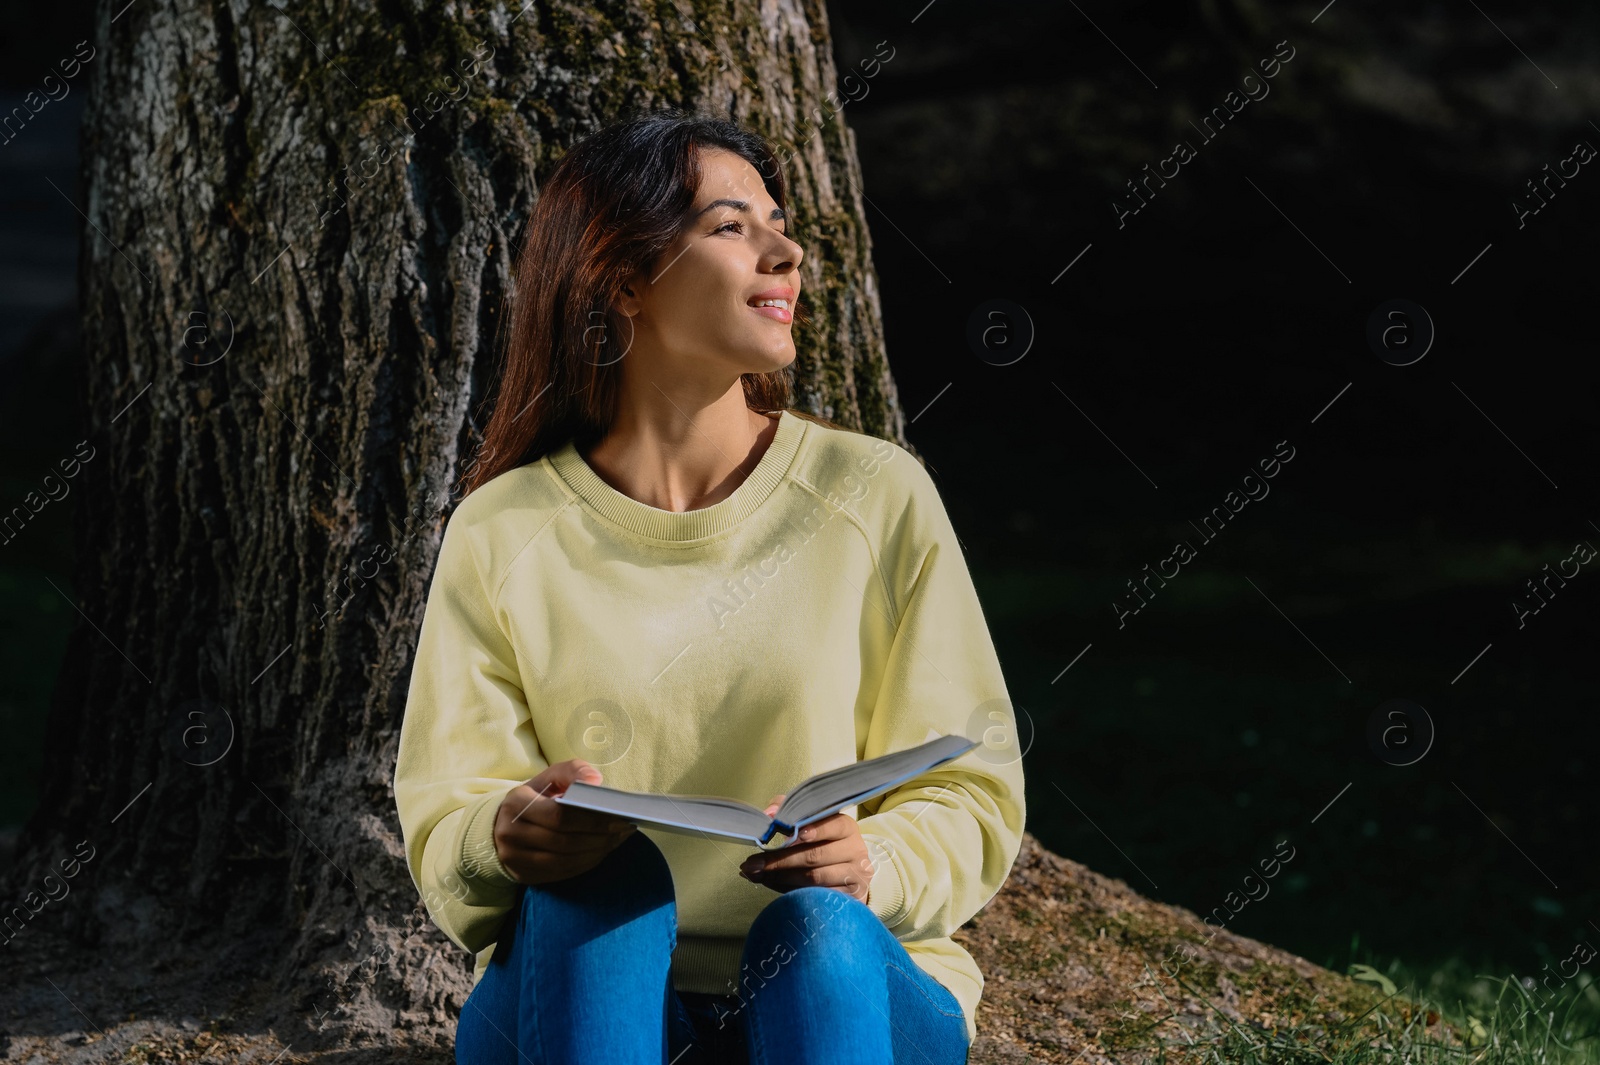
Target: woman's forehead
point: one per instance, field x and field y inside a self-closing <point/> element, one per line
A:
<point x="724" y="173"/>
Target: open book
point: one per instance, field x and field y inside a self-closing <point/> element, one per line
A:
<point x="824" y="794"/>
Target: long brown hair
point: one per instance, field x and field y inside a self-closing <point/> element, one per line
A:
<point x="615" y="202"/>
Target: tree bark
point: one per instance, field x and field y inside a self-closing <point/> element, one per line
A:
<point x="293" y="265"/>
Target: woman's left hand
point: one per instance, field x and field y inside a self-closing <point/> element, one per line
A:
<point x="828" y="853"/>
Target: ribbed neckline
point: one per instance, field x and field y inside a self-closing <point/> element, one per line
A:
<point x="657" y="524"/>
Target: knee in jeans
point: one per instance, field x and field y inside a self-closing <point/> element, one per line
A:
<point x="634" y="875"/>
<point x="824" y="917"/>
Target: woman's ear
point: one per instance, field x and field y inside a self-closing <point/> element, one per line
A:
<point x="628" y="302"/>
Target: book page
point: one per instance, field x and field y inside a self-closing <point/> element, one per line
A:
<point x="689" y="813"/>
<point x="832" y="791"/>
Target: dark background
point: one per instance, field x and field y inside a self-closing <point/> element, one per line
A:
<point x="1181" y="748"/>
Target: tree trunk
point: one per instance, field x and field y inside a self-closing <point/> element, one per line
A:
<point x="292" y="273"/>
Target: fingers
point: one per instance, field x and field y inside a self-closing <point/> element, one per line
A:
<point x="539" y="839"/>
<point x="528" y="803"/>
<point x="847" y="876"/>
<point x="834" y="826"/>
<point x="521" y="836"/>
<point x="558" y="817"/>
<point x="807" y="856"/>
<point x="542" y="867"/>
<point x="772" y="807"/>
<point x="554" y="780"/>
<point x="827" y="853"/>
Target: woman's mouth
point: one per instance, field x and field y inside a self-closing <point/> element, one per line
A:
<point x="777" y="309"/>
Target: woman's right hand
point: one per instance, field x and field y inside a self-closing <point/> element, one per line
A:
<point x="540" y="840"/>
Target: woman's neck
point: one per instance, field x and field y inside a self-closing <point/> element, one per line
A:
<point x="672" y="461"/>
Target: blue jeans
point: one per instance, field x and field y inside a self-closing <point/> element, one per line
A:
<point x="580" y="974"/>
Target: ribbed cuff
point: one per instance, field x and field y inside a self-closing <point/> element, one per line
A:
<point x="886" y="896"/>
<point x="480" y="862"/>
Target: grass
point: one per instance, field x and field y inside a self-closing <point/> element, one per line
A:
<point x="1448" y="1013"/>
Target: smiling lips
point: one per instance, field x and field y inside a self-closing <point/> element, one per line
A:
<point x="777" y="304"/>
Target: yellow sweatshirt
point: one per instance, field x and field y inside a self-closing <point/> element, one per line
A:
<point x="820" y="615"/>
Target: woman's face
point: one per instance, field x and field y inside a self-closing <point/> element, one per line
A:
<point x="694" y="314"/>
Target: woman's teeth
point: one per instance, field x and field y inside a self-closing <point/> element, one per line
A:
<point x="772" y="303"/>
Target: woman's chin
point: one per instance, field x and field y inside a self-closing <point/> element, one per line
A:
<point x="770" y="361"/>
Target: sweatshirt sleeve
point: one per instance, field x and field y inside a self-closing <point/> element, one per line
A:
<point x="466" y="739"/>
<point x="942" y="843"/>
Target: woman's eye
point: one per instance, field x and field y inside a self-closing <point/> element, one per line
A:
<point x="725" y="225"/>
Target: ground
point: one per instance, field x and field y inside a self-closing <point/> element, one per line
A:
<point x="1079" y="968"/>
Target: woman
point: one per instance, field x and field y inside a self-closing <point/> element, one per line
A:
<point x="664" y="579"/>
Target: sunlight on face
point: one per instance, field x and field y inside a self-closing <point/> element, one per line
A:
<point x="694" y="312"/>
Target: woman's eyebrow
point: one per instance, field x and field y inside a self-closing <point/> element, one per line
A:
<point x="741" y="205"/>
